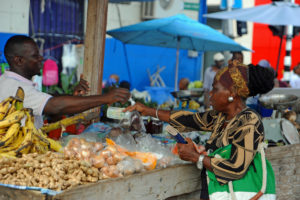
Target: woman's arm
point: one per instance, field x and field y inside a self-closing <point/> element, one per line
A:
<point x="185" y="121"/>
<point x="245" y="141"/>
<point x="163" y="115"/>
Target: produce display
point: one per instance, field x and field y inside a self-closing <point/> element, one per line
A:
<point x="16" y="139"/>
<point x="28" y="157"/>
<point x="82" y="162"/>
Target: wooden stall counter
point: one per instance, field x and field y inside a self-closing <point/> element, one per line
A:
<point x="151" y="185"/>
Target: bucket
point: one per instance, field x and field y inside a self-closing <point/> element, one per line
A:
<point x="160" y="94"/>
<point x="265" y="112"/>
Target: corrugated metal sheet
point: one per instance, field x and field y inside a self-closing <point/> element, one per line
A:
<point x="55" y="22"/>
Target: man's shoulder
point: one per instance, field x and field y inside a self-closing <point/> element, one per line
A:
<point x="9" y="82"/>
<point x="209" y="70"/>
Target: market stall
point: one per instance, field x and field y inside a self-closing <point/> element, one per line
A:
<point x="117" y="160"/>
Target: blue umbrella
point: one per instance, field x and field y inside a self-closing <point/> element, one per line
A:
<point x="276" y="13"/>
<point x="178" y="32"/>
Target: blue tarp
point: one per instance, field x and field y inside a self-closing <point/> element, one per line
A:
<point x="141" y="58"/>
<point x="42" y="190"/>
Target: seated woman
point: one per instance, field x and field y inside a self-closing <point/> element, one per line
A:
<point x="237" y="132"/>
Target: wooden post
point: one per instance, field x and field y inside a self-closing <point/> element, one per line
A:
<point x="95" y="44"/>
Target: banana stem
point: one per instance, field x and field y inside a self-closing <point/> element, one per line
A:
<point x="69" y="121"/>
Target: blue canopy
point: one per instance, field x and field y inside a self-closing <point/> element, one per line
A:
<point x="166" y="32"/>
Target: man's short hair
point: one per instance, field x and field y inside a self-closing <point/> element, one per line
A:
<point x="11" y="46"/>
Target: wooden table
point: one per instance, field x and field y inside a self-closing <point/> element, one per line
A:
<point x="156" y="184"/>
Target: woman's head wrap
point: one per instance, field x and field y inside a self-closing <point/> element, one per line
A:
<point x="235" y="77"/>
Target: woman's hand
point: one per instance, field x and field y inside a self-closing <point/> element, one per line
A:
<point x="188" y="152"/>
<point x="141" y="108"/>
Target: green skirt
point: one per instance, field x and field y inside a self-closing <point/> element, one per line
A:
<point x="246" y="187"/>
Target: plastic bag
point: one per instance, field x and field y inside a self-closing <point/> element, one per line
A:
<point x="81" y="149"/>
<point x="148" y="159"/>
<point x="163" y="153"/>
<point x="130" y="166"/>
<point x="134" y="122"/>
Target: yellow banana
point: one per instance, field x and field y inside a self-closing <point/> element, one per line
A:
<point x="9" y="99"/>
<point x="12" y="107"/>
<point x="41" y="136"/>
<point x="35" y="140"/>
<point x="55" y="146"/>
<point x="3" y="131"/>
<point x="29" y="120"/>
<point x="12" y="118"/>
<point x="10" y="154"/>
<point x="15" y="145"/>
<point x="39" y="146"/>
<point x="26" y="144"/>
<point x="4" y="107"/>
<point x="10" y="135"/>
<point x="20" y="95"/>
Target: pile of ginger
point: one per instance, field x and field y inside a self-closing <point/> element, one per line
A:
<point x="50" y="170"/>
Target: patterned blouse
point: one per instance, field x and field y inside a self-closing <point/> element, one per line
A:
<point x="245" y="131"/>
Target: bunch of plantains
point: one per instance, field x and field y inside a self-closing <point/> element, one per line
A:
<point x="17" y="139"/>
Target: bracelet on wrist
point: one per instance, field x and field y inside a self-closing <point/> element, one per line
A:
<point x="200" y="161"/>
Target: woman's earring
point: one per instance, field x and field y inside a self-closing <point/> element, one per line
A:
<point x="230" y="99"/>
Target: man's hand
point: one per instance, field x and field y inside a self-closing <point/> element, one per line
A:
<point x="117" y="95"/>
<point x="82" y="88"/>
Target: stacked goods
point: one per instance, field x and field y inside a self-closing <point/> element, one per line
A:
<point x="50" y="170"/>
<point x="110" y="161"/>
<point x="16" y="139"/>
